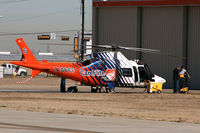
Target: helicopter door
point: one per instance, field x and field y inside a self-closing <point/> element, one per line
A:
<point x="142" y="75"/>
<point x="135" y="74"/>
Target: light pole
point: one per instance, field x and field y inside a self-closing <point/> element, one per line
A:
<point x="82" y="39"/>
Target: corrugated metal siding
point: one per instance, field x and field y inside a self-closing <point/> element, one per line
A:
<point x="194" y="46"/>
<point x="162" y="29"/>
<point x="94" y="25"/>
<point x="111" y="0"/>
<point x="118" y="25"/>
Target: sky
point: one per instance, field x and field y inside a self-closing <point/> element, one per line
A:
<point x="62" y="17"/>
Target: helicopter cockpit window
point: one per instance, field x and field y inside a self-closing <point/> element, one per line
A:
<point x="13" y="66"/>
<point x="149" y="73"/>
<point x="127" y="72"/>
<point x="4" y="65"/>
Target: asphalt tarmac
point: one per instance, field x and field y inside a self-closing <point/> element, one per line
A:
<point x="32" y="122"/>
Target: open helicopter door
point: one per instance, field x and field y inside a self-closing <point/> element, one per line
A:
<point x="136" y="76"/>
<point x="142" y="73"/>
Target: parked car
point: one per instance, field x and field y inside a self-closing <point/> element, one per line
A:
<point x="10" y="69"/>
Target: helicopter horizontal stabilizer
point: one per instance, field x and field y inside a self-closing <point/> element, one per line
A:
<point x="35" y="72"/>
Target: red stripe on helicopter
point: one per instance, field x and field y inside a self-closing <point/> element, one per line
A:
<point x="99" y="78"/>
<point x="95" y="77"/>
<point x="85" y="79"/>
<point x="91" y="80"/>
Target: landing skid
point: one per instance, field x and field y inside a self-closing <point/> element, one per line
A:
<point x="72" y="89"/>
<point x="95" y="89"/>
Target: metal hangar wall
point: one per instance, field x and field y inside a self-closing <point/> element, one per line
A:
<point x="171" y="26"/>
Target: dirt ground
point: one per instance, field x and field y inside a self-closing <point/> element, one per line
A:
<point x="41" y="94"/>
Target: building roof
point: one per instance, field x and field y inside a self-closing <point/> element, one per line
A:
<point x="110" y="3"/>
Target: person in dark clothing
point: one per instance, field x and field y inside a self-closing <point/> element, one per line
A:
<point x="62" y="85"/>
<point x="176" y="78"/>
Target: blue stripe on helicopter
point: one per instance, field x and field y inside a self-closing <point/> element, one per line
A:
<point x="123" y="81"/>
<point x="98" y="65"/>
<point x="81" y="69"/>
<point x="129" y="83"/>
<point x="117" y="63"/>
<point x="94" y="77"/>
<point x="75" y="64"/>
<point x="93" y="65"/>
<point x="111" y="66"/>
<point x="85" y="68"/>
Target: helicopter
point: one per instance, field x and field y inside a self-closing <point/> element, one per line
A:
<point x="107" y="69"/>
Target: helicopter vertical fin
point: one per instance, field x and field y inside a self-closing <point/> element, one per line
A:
<point x="28" y="56"/>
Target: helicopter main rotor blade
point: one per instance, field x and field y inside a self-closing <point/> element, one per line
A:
<point x="140" y="49"/>
<point x="117" y="47"/>
<point x="102" y="46"/>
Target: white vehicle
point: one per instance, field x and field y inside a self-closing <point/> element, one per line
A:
<point x="10" y="69"/>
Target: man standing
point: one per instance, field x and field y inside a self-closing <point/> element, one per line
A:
<point x="176" y="79"/>
<point x="184" y="77"/>
<point x="62" y="85"/>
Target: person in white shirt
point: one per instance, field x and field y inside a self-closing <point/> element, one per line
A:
<point x="184" y="76"/>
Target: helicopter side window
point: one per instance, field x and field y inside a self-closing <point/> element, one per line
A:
<point x="13" y="66"/>
<point x="142" y="73"/>
<point x="4" y="65"/>
<point x="127" y="72"/>
<point x="87" y="62"/>
<point x="136" y="73"/>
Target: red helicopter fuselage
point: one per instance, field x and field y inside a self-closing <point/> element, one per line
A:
<point x="89" y="75"/>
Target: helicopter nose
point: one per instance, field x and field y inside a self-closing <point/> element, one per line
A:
<point x="159" y="79"/>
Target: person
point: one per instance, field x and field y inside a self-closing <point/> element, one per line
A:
<point x="176" y="72"/>
<point x="184" y="76"/>
<point x="62" y="85"/>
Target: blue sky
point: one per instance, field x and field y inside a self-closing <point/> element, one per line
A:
<point x="22" y="16"/>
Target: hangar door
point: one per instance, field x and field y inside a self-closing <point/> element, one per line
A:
<point x="162" y="29"/>
<point x="118" y="25"/>
<point x="194" y="46"/>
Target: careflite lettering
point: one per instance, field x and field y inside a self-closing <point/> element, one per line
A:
<point x="64" y="69"/>
<point x="92" y="73"/>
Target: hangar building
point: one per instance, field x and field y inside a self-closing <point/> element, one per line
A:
<point x="171" y="26"/>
